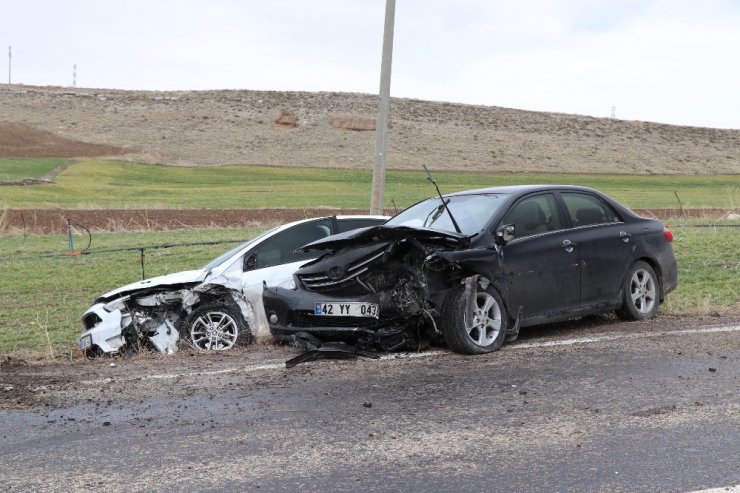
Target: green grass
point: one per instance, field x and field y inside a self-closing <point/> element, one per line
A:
<point x="41" y="294"/>
<point x="708" y="269"/>
<point x="45" y="296"/>
<point x="20" y="168"/>
<point x="105" y="184"/>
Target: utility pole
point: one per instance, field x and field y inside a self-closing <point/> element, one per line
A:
<point x="381" y="131"/>
<point x="9" y="57"/>
<point x="74" y="75"/>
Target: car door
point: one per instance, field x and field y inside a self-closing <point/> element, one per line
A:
<point x="603" y="243"/>
<point x="274" y="260"/>
<point x="540" y="264"/>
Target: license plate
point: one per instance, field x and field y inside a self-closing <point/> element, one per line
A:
<point x="347" y="309"/>
<point x="85" y="342"/>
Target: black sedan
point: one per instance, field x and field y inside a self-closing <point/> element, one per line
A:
<point x="471" y="268"/>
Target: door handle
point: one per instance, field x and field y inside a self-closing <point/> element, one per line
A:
<point x="625" y="236"/>
<point x="568" y="245"/>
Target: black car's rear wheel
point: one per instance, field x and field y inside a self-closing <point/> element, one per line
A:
<point x="214" y="328"/>
<point x="474" y="326"/>
<point x="641" y="293"/>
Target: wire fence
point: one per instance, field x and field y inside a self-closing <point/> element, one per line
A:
<point x="112" y="251"/>
<point x="142" y="249"/>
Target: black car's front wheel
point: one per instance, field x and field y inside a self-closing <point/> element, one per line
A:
<point x="641" y="298"/>
<point x="214" y="328"/>
<point x="477" y="325"/>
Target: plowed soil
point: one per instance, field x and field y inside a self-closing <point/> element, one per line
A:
<point x="44" y="221"/>
<point x="19" y="140"/>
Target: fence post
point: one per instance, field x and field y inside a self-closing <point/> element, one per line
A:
<point x="69" y="237"/>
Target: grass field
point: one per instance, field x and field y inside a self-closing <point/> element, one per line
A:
<point x="20" y="168"/>
<point x="104" y="184"/>
<point x="42" y="296"/>
<point x="43" y="292"/>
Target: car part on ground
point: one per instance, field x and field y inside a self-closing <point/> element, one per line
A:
<point x="315" y="349"/>
<point x="473" y="267"/>
<point x="216" y="307"/>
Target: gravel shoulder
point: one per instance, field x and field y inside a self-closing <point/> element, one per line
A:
<point x="38" y="383"/>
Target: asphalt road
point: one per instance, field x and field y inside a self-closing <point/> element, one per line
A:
<point x="596" y="405"/>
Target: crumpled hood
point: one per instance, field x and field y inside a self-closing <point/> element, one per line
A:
<point x="383" y="233"/>
<point x="169" y="280"/>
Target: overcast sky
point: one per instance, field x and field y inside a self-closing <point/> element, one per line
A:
<point x="671" y="61"/>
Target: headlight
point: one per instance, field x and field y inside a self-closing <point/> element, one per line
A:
<point x="119" y="304"/>
<point x="287" y="284"/>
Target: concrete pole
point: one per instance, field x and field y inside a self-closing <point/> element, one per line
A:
<point x="381" y="131"/>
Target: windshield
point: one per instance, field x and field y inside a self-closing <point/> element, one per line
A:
<point x="226" y="256"/>
<point x="472" y="213"/>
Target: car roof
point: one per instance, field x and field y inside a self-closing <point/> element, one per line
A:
<point x="338" y="216"/>
<point x="520" y="189"/>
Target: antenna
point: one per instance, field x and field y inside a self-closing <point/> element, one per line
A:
<point x="444" y="203"/>
<point x="74" y="75"/>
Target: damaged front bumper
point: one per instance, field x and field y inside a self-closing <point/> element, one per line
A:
<point x="107" y="324"/>
<point x="290" y="313"/>
<point x="105" y="330"/>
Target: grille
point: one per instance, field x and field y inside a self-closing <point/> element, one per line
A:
<point x="322" y="282"/>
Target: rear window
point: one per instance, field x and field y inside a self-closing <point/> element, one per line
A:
<point x="585" y="210"/>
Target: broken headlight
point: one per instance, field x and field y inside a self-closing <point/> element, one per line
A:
<point x="287" y="284"/>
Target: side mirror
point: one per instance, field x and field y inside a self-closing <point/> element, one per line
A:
<point x="505" y="234"/>
<point x="250" y="263"/>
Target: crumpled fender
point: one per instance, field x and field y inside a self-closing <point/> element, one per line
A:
<point x="230" y="286"/>
<point x="477" y="260"/>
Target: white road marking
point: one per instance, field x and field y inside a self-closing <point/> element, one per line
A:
<point x="724" y="489"/>
<point x="587" y="340"/>
<point x="280" y="364"/>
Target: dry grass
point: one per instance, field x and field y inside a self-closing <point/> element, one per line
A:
<point x="196" y="128"/>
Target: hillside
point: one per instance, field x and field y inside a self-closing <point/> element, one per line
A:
<point x="194" y="128"/>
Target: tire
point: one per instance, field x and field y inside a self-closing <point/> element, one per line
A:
<point x="214" y="327"/>
<point x="481" y="331"/>
<point x="641" y="293"/>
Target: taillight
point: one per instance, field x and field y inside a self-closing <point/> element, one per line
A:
<point x="668" y="235"/>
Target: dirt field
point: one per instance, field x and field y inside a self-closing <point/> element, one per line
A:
<point x="337" y="130"/>
<point x="19" y="140"/>
<point x="46" y="221"/>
